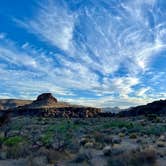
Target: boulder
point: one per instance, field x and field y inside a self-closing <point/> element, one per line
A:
<point x="161" y="144"/>
<point x="107" y="150"/>
<point x="162" y="138"/>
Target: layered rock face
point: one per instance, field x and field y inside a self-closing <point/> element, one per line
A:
<point x="46" y="105"/>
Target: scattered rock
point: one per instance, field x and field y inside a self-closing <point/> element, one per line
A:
<point x="2" y="134"/>
<point x="108" y="139"/>
<point x="161" y="144"/>
<point x="107" y="150"/>
<point x="89" y="145"/>
<point x="139" y="141"/>
<point x="121" y="135"/>
<point x="124" y="129"/>
<point x="83" y="141"/>
<point x="162" y="138"/>
<point x="116" y="140"/>
<point x="81" y="157"/>
<point x="3" y="155"/>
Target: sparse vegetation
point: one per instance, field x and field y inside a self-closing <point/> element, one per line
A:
<point x="13" y="141"/>
<point x="120" y="138"/>
<point x="155" y="130"/>
<point x="144" y="158"/>
<point x="133" y="136"/>
<point x="118" y="123"/>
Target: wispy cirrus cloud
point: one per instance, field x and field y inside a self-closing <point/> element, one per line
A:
<point x="122" y="35"/>
<point x="53" y="24"/>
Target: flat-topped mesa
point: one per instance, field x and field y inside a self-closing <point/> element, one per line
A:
<point x="44" y="100"/>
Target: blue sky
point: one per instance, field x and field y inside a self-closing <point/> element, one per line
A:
<point x="92" y="52"/>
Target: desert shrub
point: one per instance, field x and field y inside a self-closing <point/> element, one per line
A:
<point x="155" y="130"/>
<point x="99" y="137"/>
<point x="144" y="158"/>
<point x="16" y="125"/>
<point x="157" y="120"/>
<point x="136" y="128"/>
<point x="53" y="156"/>
<point x="151" y="117"/>
<point x="17" y="151"/>
<point x="121" y="135"/>
<point x="133" y="136"/>
<point x="61" y="132"/>
<point x="16" y="146"/>
<point x="118" y="123"/>
<point x="1" y="139"/>
<point x="47" y="138"/>
<point x="12" y="141"/>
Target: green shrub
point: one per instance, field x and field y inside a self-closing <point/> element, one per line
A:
<point x="151" y="117"/>
<point x="16" y="126"/>
<point x="157" y="120"/>
<point x="12" y="141"/>
<point x="1" y="139"/>
<point x="118" y="123"/>
<point x="155" y="130"/>
<point x="47" y="138"/>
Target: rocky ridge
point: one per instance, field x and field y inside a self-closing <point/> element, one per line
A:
<point x="156" y="107"/>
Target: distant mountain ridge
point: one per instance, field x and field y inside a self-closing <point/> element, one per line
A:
<point x="12" y="103"/>
<point x="112" y="109"/>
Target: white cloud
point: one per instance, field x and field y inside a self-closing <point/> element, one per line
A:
<point x="142" y="91"/>
<point x="53" y="24"/>
<point x="2" y="36"/>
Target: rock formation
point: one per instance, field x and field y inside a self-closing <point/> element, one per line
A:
<point x="44" y="100"/>
<point x="156" y="107"/>
<point x="47" y="105"/>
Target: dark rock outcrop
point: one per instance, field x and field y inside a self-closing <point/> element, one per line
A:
<point x="4" y="117"/>
<point x="156" y="107"/>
